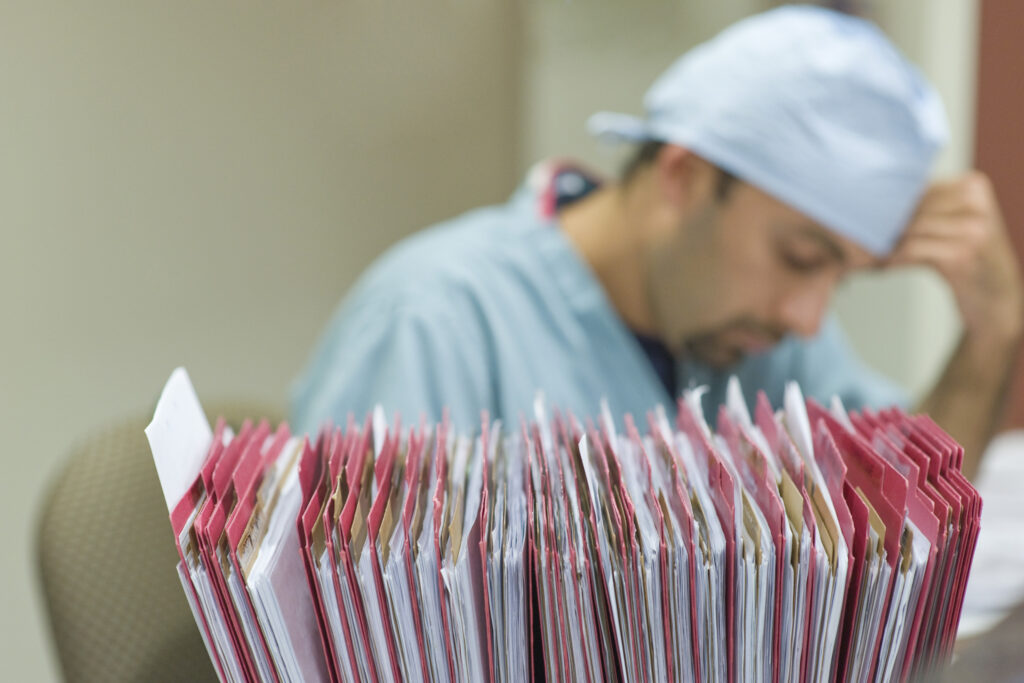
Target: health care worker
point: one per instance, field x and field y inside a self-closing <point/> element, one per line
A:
<point x="789" y="151"/>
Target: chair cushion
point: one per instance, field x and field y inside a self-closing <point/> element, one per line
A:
<point x="107" y="562"/>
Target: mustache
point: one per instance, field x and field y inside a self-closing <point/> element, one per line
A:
<point x="712" y="347"/>
<point x="748" y="326"/>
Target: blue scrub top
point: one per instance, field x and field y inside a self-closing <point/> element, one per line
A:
<point x="483" y="311"/>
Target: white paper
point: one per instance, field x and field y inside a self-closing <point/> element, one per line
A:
<point x="179" y="436"/>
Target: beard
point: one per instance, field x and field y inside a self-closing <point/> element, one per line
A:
<point x="730" y="343"/>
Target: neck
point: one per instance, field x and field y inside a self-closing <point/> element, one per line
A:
<point x="603" y="228"/>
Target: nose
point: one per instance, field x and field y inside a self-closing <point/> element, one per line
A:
<point x="803" y="309"/>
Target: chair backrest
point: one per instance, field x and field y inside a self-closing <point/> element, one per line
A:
<point x="107" y="563"/>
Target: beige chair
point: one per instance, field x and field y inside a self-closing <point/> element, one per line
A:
<point x="107" y="563"/>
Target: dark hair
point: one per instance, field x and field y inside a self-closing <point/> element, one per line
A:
<point x="645" y="154"/>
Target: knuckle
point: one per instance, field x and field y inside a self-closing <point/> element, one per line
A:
<point x="976" y="230"/>
<point x="978" y="191"/>
<point x="980" y="178"/>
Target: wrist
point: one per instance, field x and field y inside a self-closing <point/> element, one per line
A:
<point x="1008" y="331"/>
<point x="995" y="347"/>
<point x="998" y="326"/>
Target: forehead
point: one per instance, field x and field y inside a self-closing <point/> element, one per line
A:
<point x="787" y="224"/>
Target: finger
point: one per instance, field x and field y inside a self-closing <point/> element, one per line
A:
<point x="941" y="196"/>
<point x="952" y="226"/>
<point x="968" y="193"/>
<point x="942" y="254"/>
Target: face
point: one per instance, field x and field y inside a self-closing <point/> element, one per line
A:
<point x="738" y="273"/>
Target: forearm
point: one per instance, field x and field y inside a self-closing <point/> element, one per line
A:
<point x="969" y="398"/>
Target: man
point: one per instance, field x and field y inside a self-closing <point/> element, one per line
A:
<point x="774" y="160"/>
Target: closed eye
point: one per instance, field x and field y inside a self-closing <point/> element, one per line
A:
<point x="804" y="264"/>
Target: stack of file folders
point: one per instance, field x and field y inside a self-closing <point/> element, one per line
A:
<point x="797" y="543"/>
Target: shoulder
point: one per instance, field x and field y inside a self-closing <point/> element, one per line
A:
<point x="413" y="349"/>
<point x="431" y="285"/>
<point x="452" y="264"/>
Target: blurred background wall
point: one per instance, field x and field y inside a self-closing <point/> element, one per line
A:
<point x="197" y="183"/>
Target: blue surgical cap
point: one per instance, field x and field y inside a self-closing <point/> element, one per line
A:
<point x="814" y="107"/>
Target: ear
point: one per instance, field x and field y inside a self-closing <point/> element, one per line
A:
<point x="684" y="180"/>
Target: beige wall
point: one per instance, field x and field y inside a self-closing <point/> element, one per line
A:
<point x="196" y="183"/>
<point x="584" y="57"/>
